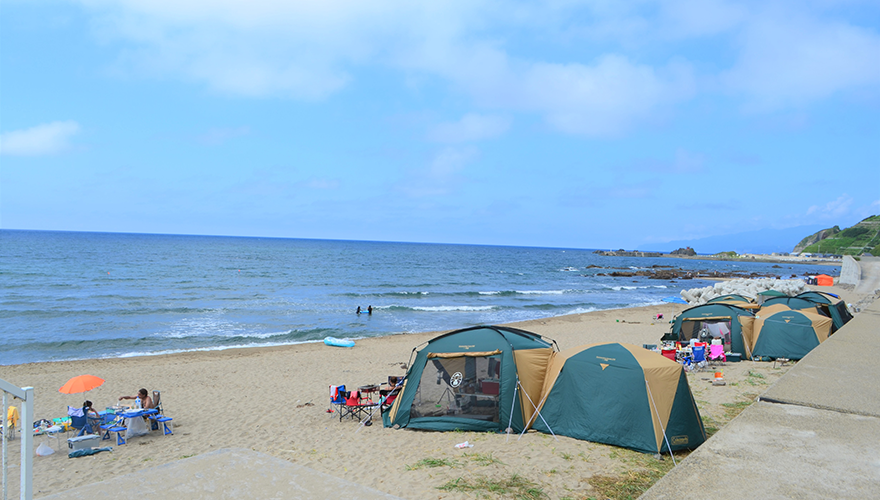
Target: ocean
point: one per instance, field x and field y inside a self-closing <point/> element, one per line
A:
<point x="80" y="295"/>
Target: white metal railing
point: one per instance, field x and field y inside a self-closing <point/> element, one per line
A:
<point x="26" y="395"/>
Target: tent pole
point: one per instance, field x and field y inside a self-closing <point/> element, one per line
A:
<point x="668" y="446"/>
<point x="532" y="419"/>
<point x="746" y="345"/>
<point x="539" y="414"/>
<point x="512" y="406"/>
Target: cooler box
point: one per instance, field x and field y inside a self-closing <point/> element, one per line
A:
<point x="490" y="387"/>
<point x="83" y="442"/>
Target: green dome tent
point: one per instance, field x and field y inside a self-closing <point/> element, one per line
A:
<point x="622" y="395"/>
<point x="730" y="297"/>
<point x="780" y="332"/>
<point x="827" y="305"/>
<point x="725" y="320"/>
<point x="478" y="379"/>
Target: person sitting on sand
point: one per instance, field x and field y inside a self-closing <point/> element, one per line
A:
<point x="145" y="401"/>
<point x="88" y="410"/>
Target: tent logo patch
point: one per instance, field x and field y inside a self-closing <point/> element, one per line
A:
<point x="606" y="359"/>
<point x="455" y="380"/>
<point x="679" y="440"/>
<point x="466" y="347"/>
<point x="604" y="365"/>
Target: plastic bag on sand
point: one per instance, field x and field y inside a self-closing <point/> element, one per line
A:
<point x="44" y="450"/>
<point x="464" y="445"/>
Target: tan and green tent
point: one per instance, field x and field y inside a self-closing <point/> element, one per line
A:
<point x="484" y="378"/>
<point x="780" y="332"/>
<point x="622" y="395"/>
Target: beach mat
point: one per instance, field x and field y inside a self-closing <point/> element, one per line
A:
<point x="229" y="473"/>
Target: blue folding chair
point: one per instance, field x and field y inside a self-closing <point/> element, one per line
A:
<point x="699" y="357"/>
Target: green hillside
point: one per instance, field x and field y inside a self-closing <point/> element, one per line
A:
<point x="861" y="238"/>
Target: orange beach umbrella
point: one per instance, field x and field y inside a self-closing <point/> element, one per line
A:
<point x="81" y="383"/>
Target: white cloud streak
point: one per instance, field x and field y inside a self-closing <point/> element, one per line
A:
<point x="45" y="139"/>
<point x="833" y="209"/>
<point x="780" y="54"/>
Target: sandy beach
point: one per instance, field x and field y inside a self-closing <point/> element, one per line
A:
<point x="275" y="400"/>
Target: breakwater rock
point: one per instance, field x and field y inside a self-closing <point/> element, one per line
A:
<point x="658" y="273"/>
<point x="746" y="287"/>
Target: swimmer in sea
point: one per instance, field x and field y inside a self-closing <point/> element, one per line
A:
<point x="370" y="309"/>
<point x="358" y="310"/>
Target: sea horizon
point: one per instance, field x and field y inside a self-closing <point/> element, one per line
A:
<point x="70" y="295"/>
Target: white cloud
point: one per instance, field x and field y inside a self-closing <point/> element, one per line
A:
<point x="598" y="68"/>
<point x="45" y="139"/>
<point x="442" y="175"/>
<point x="832" y="209"/>
<point x="787" y="58"/>
<point x="471" y="127"/>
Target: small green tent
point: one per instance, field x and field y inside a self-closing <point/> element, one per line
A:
<point x="622" y="395"/>
<point x="478" y="379"/>
<point x="836" y="306"/>
<point x="826" y="305"/>
<point x="723" y="320"/>
<point x="780" y="332"/>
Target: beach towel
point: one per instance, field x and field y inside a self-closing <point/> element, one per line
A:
<point x="75" y="412"/>
<point x="87" y="451"/>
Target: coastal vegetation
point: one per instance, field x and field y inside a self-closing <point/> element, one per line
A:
<point x="863" y="237"/>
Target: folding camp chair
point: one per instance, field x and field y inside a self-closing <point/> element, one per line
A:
<point x="160" y="418"/>
<point x="81" y="423"/>
<point x="716" y="353"/>
<point x="699" y="357"/>
<point x="356" y="407"/>
<point x="338" y="396"/>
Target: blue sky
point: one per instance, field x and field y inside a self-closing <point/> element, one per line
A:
<point x="592" y="124"/>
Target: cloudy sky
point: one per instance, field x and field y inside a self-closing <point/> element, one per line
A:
<point x="587" y="124"/>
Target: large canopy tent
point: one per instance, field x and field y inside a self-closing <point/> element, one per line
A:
<point x="780" y="332"/>
<point x="622" y="395"/>
<point x="826" y="304"/>
<point x="768" y="294"/>
<point x="718" y="320"/>
<point x="730" y="297"/>
<point x="483" y="378"/>
<point x="734" y="300"/>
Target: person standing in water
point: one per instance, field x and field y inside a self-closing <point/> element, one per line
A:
<point x="370" y="309"/>
<point x="358" y="310"/>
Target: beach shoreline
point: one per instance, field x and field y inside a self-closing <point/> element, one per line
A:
<point x="274" y="400"/>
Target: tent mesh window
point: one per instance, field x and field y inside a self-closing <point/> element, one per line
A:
<point x="459" y="387"/>
<point x="706" y="330"/>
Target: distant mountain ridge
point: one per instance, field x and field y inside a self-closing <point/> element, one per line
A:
<point x="815" y="238"/>
<point x="758" y="241"/>
<point x="863" y="237"/>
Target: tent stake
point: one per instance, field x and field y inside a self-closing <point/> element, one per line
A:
<point x="668" y="446"/>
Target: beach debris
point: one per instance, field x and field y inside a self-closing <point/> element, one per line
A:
<point x="464" y="445"/>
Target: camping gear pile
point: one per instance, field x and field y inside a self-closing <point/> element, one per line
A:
<point x="491" y="378"/>
<point x="781" y="327"/>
